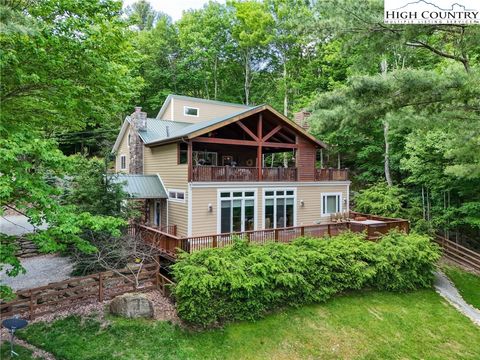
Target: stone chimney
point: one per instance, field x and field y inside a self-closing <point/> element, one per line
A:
<point x="301" y="118"/>
<point x="139" y="119"/>
<point x="139" y="124"/>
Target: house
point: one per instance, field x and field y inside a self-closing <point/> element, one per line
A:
<point x="204" y="167"/>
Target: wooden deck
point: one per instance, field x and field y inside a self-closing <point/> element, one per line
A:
<point x="169" y="244"/>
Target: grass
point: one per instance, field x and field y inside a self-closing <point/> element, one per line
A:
<point x="367" y="325"/>
<point x="23" y="353"/>
<point x="468" y="284"/>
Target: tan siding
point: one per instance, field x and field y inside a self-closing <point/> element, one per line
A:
<point x="205" y="222"/>
<point x="310" y="213"/>
<point x="123" y="149"/>
<point x="206" y="111"/>
<point x="163" y="160"/>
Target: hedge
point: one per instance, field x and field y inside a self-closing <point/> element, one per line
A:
<point x="244" y="282"/>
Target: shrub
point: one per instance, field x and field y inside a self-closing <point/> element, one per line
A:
<point x="243" y="282"/>
<point x="404" y="262"/>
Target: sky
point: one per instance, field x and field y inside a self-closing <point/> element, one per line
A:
<point x="173" y="8"/>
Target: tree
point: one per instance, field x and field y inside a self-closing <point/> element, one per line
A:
<point x="142" y="15"/>
<point x="72" y="70"/>
<point x="65" y="66"/>
<point x="205" y="36"/>
<point x="252" y="33"/>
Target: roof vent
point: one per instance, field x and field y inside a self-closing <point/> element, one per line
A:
<point x="167" y="130"/>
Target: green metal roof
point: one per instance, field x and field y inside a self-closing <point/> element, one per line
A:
<point x="141" y="186"/>
<point x="156" y="130"/>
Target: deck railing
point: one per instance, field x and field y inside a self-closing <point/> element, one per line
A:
<point x="331" y="174"/>
<point x="279" y="174"/>
<point x="224" y="173"/>
<point x="242" y="173"/>
<point x="169" y="244"/>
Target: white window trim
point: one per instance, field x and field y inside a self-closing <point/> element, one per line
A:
<point x="175" y="199"/>
<point x="294" y="204"/>
<point x="123" y="156"/>
<point x="219" y="204"/>
<point x="191" y="107"/>
<point x="322" y="195"/>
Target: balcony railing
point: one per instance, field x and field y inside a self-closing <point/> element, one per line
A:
<point x="224" y="173"/>
<point x="240" y="173"/>
<point x="331" y="174"/>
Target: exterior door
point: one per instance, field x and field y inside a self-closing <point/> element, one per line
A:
<point x="157" y="216"/>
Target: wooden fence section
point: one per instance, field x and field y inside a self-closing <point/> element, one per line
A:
<point x="458" y="253"/>
<point x="96" y="287"/>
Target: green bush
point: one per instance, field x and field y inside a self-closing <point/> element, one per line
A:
<point x="404" y="262"/>
<point x="243" y="282"/>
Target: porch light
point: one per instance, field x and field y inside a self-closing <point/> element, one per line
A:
<point x="210" y="207"/>
<point x="302" y="203"/>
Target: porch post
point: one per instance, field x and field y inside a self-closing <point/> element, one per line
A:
<point x="259" y="148"/>
<point x="189" y="160"/>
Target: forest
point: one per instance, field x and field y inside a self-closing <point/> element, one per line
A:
<point x="399" y="105"/>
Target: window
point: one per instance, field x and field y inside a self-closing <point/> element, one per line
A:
<point x="331" y="203"/>
<point x="190" y="111"/>
<point x="123" y="162"/>
<point x="205" y="158"/>
<point x="183" y="153"/>
<point x="279" y="209"/>
<point x="129" y="139"/>
<point x="176" y="195"/>
<point x="237" y="211"/>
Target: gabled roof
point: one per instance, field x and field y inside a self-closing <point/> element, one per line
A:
<point x="201" y="128"/>
<point x="156" y="131"/>
<point x="141" y="186"/>
<point x="183" y="97"/>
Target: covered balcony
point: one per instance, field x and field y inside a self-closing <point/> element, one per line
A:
<point x="256" y="148"/>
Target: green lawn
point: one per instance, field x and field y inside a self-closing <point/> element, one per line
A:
<point x="23" y="353"/>
<point x="468" y="284"/>
<point x="369" y="325"/>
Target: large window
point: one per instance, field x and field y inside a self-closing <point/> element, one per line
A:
<point x="279" y="208"/>
<point x="237" y="211"/>
<point x="331" y="203"/>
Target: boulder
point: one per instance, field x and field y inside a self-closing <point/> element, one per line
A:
<point x="132" y="306"/>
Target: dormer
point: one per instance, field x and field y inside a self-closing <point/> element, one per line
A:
<point x="194" y="110"/>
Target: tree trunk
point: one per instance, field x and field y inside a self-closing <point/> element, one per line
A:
<point x="285" y="96"/>
<point x="247" y="78"/>
<point x="388" y="177"/>
<point x="423" y="203"/>
<point x="215" y="79"/>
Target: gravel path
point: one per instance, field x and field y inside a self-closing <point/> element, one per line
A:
<point x="447" y="290"/>
<point x="41" y="270"/>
